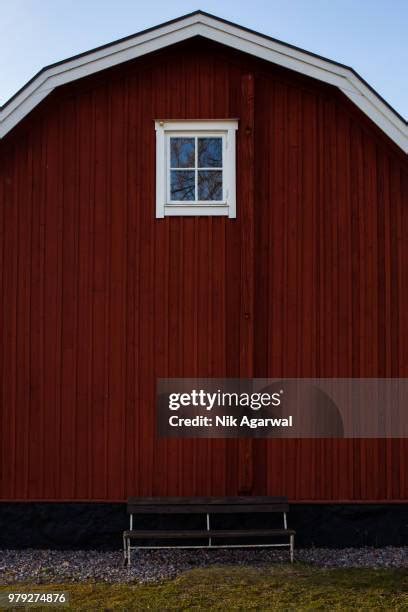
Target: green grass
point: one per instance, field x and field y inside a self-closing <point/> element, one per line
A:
<point x="297" y="587"/>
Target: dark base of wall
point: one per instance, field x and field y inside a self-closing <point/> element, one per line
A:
<point x="99" y="526"/>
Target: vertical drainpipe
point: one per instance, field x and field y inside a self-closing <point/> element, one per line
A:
<point x="245" y="196"/>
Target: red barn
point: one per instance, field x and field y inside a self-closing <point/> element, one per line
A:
<point x="269" y="239"/>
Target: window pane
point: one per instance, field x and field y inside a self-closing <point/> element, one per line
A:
<point x="182" y="153"/>
<point x="210" y="152"/>
<point x="182" y="185"/>
<point x="210" y="185"/>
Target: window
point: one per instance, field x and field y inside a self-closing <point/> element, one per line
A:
<point x="195" y="168"/>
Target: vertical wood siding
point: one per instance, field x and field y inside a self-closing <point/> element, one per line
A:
<point x="98" y="298"/>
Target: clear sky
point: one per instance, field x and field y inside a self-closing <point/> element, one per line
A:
<point x="369" y="35"/>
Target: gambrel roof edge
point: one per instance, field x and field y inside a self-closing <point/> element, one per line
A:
<point x="203" y="24"/>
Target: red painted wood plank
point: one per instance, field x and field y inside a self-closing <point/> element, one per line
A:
<point x="24" y="382"/>
<point x="69" y="298"/>
<point x="53" y="305"/>
<point x="9" y="331"/>
<point x="100" y="264"/>
<point x="84" y="426"/>
<point x="117" y="296"/>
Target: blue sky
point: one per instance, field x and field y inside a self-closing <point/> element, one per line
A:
<point x="369" y="35"/>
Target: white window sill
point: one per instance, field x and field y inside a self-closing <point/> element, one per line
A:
<point x="213" y="210"/>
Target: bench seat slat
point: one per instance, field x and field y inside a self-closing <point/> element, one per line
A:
<point x="204" y="508"/>
<point x="220" y="533"/>
<point x="166" y="501"/>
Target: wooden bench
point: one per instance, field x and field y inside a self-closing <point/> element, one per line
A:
<point x="206" y="506"/>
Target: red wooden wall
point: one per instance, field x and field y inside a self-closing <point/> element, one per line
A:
<point x="98" y="298"/>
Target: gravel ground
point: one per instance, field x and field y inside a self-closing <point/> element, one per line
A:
<point x="47" y="566"/>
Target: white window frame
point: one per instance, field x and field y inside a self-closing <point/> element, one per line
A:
<point x="225" y="128"/>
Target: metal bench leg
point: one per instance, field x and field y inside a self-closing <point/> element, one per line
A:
<point x="208" y="528"/>
<point x="128" y="552"/>
<point x="124" y="551"/>
<point x="292" y="547"/>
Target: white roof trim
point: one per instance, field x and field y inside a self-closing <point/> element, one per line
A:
<point x="202" y="24"/>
